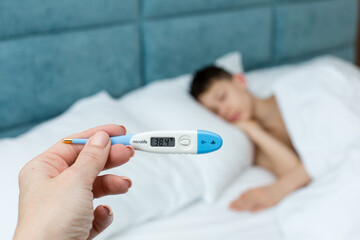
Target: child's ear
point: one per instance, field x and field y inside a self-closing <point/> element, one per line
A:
<point x="240" y="78"/>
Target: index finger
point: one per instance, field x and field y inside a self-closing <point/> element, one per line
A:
<point x="69" y="152"/>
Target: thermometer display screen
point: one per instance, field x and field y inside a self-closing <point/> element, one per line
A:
<point x="162" y="142"/>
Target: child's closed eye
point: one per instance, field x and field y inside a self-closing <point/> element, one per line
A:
<point x="222" y="96"/>
<point x="215" y="111"/>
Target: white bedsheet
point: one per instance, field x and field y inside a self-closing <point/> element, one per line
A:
<point x="214" y="221"/>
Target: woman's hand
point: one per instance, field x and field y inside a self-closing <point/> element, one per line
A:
<point x="57" y="188"/>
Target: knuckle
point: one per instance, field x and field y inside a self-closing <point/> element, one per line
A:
<point x="104" y="186"/>
<point x="93" y="154"/>
<point x="23" y="173"/>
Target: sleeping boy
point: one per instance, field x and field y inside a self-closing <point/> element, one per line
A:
<point x="227" y="96"/>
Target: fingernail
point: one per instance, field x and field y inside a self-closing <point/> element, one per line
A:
<point x="108" y="209"/>
<point x="124" y="129"/>
<point x="132" y="151"/>
<point x="128" y="180"/>
<point x="100" y="139"/>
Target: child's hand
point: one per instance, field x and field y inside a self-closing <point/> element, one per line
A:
<point x="248" y="125"/>
<point x="259" y="198"/>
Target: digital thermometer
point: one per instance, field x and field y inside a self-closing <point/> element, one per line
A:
<point x="193" y="142"/>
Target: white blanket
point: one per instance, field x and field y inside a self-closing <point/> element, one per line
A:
<point x="320" y="106"/>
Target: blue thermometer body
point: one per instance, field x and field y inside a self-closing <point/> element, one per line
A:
<point x="191" y="142"/>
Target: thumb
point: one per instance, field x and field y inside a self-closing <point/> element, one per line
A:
<point x="93" y="157"/>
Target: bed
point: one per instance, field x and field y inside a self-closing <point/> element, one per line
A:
<point x="54" y="54"/>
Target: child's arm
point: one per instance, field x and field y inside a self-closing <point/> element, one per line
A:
<point x="281" y="157"/>
<point x="282" y="160"/>
<point x="267" y="196"/>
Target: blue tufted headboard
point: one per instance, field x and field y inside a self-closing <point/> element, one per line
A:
<point x="55" y="52"/>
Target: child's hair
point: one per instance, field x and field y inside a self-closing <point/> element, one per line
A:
<point x="205" y="77"/>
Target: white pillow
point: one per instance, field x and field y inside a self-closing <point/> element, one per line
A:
<point x="181" y="179"/>
<point x="231" y="62"/>
<point x="166" y="105"/>
<point x="261" y="81"/>
<point x="161" y="183"/>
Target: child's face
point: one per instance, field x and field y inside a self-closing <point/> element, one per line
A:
<point x="228" y="99"/>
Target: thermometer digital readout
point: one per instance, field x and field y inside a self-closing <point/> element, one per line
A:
<point x="192" y="142"/>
